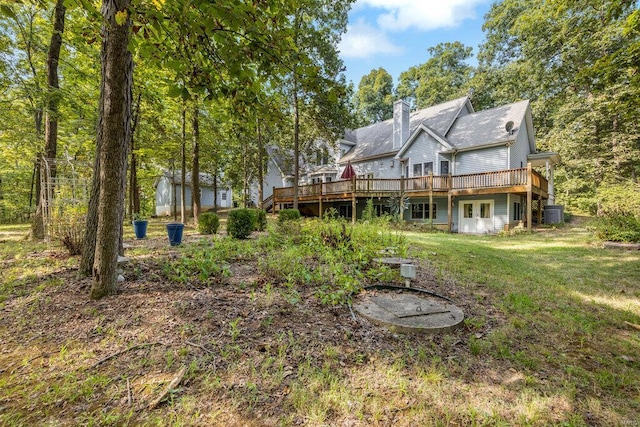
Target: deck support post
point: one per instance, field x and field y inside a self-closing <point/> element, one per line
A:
<point x="320" y="201"/>
<point x="431" y="199"/>
<point x="353" y="200"/>
<point x="529" y="197"/>
<point x="274" y="201"/>
<point x="539" y="209"/>
<point x="450" y="211"/>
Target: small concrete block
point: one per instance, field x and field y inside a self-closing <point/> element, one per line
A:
<point x="392" y="262"/>
<point x="120" y="278"/>
<point x="122" y="259"/>
<point x="408" y="271"/>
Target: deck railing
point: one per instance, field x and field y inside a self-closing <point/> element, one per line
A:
<point x="438" y="183"/>
<point x="507" y="178"/>
<point x="431" y="182"/>
<point x="337" y="187"/>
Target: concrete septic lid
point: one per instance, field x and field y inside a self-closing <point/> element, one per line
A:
<point x="406" y="310"/>
<point x="393" y="262"/>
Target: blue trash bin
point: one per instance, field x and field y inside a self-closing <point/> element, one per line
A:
<point x="174" y="230"/>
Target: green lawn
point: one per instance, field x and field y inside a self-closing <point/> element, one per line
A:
<point x="549" y="338"/>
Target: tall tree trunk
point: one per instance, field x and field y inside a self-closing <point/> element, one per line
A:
<point x="296" y="141"/>
<point x="245" y="168"/>
<point x="261" y="156"/>
<point x="173" y="188"/>
<point x="85" y="268"/>
<point x="117" y="75"/>
<point x="53" y="86"/>
<point x="215" y="188"/>
<point x="37" y="222"/>
<point x="91" y="226"/>
<point x="195" y="172"/>
<point x="51" y="120"/>
<point x="183" y="178"/>
<point x="134" y="188"/>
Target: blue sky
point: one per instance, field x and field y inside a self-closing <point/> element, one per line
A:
<point x="395" y="34"/>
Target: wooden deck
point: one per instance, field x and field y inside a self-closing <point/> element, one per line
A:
<point x="523" y="181"/>
<point x="506" y="181"/>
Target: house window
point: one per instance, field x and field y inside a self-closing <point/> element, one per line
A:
<point x="327" y="179"/>
<point x="223" y="196"/>
<point x="345" y="211"/>
<point x="467" y="208"/>
<point x="485" y="210"/>
<point x="382" y="210"/>
<point x="517" y="211"/>
<point x="417" y="211"/>
<point x="427" y="168"/>
<point x="444" y="167"/>
<point x="422" y="169"/>
<point x="422" y="211"/>
<point x="322" y="157"/>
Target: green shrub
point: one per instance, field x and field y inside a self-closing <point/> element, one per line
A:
<point x="260" y="219"/>
<point x="208" y="223"/>
<point x="369" y="212"/>
<point x="616" y="199"/>
<point x="618" y="228"/>
<point x="240" y="223"/>
<point x="288" y="215"/>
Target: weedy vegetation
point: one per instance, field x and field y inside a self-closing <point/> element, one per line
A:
<point x="256" y="331"/>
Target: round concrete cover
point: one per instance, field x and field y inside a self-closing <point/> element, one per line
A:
<point x="406" y="311"/>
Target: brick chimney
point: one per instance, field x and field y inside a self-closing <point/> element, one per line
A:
<point x="400" y="123"/>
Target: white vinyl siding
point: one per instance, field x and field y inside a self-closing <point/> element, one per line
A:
<point x="424" y="150"/>
<point x="385" y="167"/>
<point x="478" y="161"/>
<point x="520" y="149"/>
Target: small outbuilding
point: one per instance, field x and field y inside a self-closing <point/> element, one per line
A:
<point x="169" y="193"/>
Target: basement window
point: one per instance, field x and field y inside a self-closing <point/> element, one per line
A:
<point x="517" y="211"/>
<point x="422" y="211"/>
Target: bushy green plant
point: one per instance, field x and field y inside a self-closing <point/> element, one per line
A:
<point x="616" y="199"/>
<point x="208" y="223"/>
<point x="618" y="228"/>
<point x="199" y="265"/>
<point x="288" y="215"/>
<point x="240" y="223"/>
<point x="369" y="213"/>
<point x="260" y="219"/>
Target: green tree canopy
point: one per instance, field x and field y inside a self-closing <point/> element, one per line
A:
<point x="444" y="76"/>
<point x="374" y="99"/>
<point x="578" y="63"/>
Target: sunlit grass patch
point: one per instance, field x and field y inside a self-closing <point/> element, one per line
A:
<point x="544" y="342"/>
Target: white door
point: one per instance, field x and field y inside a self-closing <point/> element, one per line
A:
<point x="476" y="216"/>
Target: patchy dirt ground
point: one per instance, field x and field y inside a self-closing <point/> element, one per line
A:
<point x="251" y="354"/>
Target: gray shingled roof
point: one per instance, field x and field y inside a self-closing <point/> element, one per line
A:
<point x="206" y="179"/>
<point x="377" y="139"/>
<point x="282" y="158"/>
<point x="487" y="127"/>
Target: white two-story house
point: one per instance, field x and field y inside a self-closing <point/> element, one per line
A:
<point x="461" y="170"/>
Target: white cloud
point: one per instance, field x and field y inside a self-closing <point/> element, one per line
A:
<point x="400" y="15"/>
<point x="364" y="41"/>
